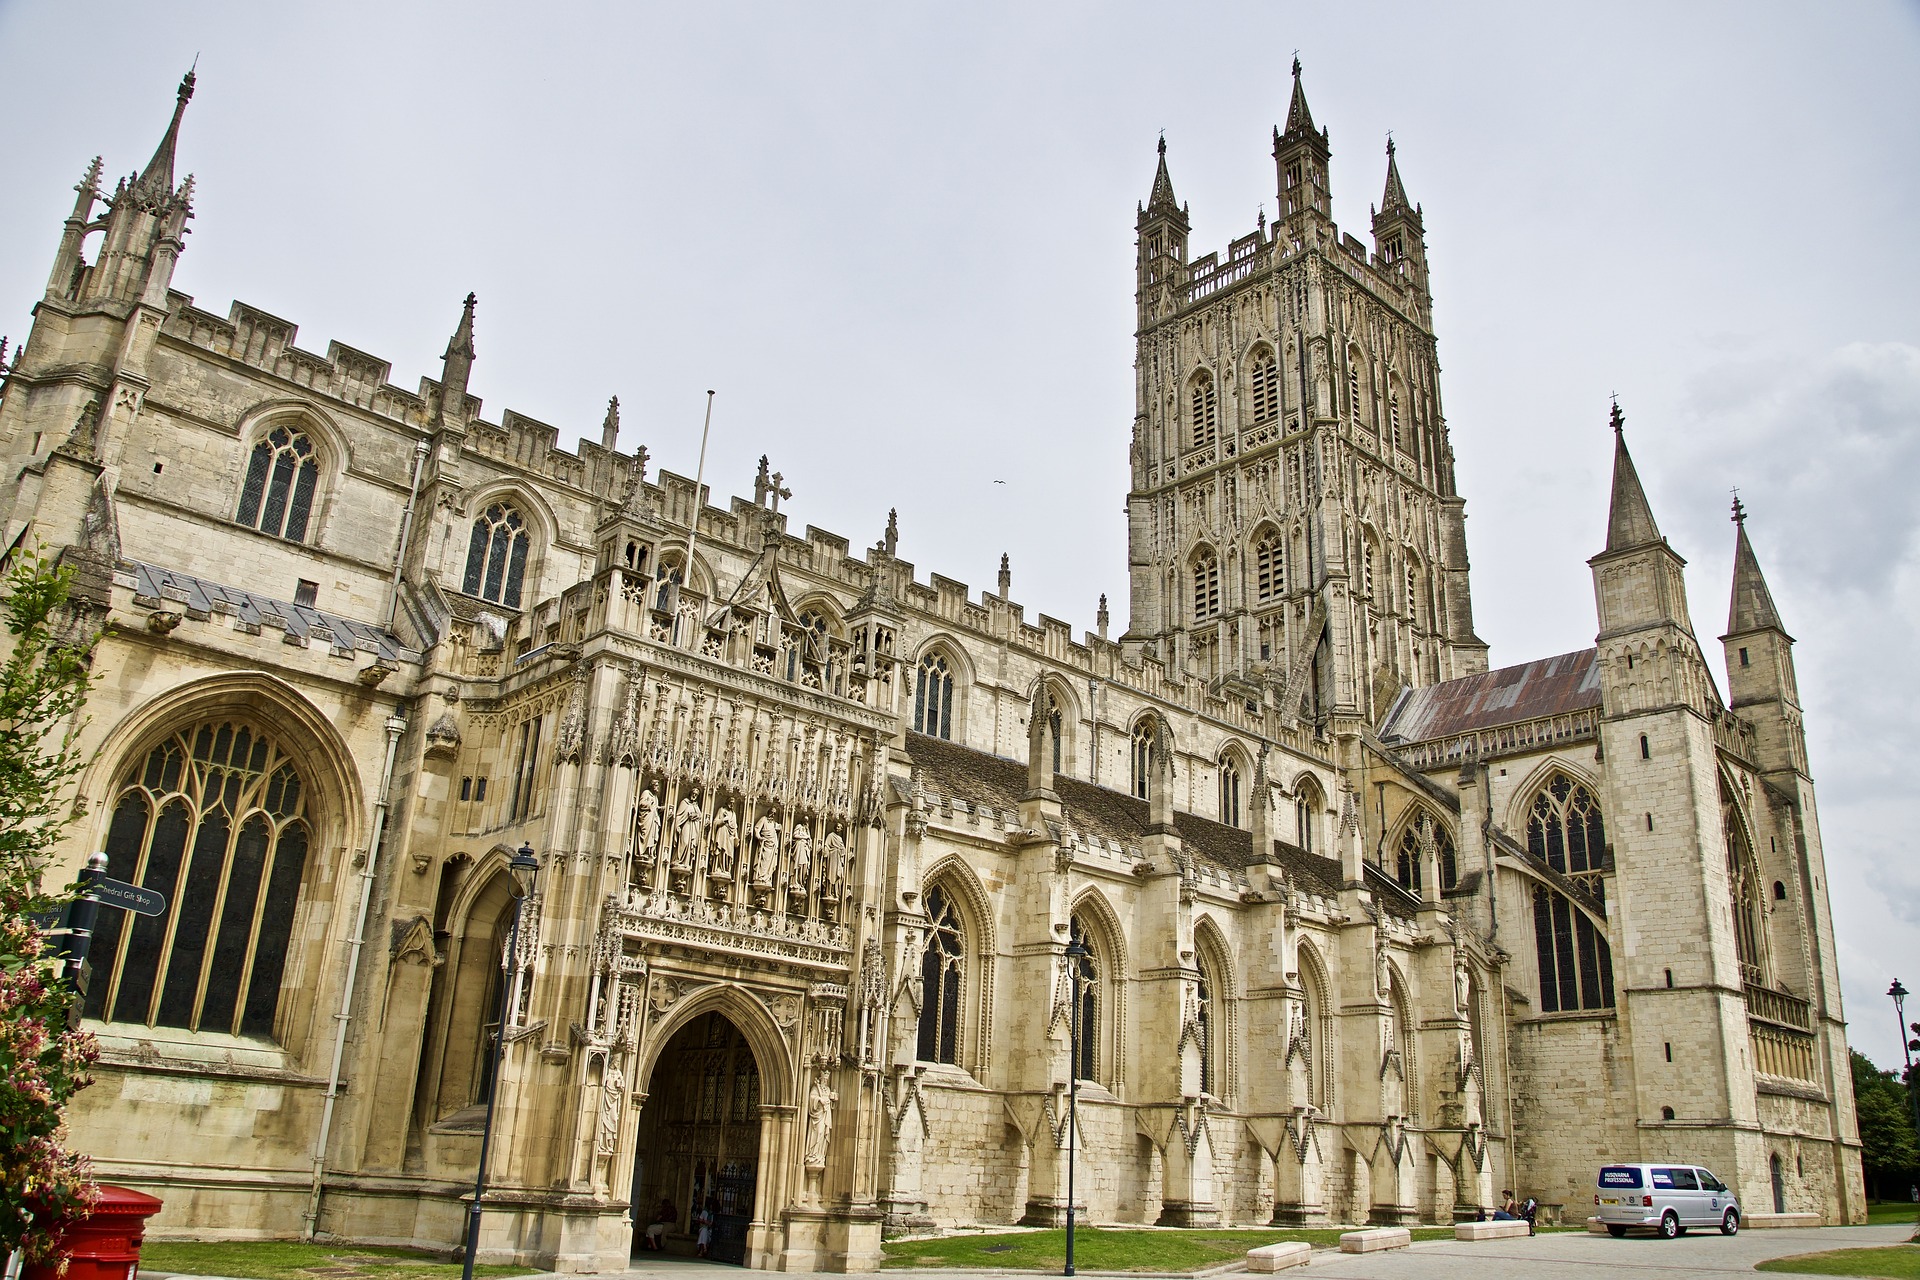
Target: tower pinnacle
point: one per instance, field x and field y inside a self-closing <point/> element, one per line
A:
<point x="154" y="187"/>
<point x="1752" y="606"/>
<point x="1629" y="518"/>
<point x="1299" y="116"/>
<point x="1162" y="201"/>
<point x="1396" y="193"/>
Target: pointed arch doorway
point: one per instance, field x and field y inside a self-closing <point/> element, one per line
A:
<point x="699" y="1139"/>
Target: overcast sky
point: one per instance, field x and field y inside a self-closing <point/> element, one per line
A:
<point x="898" y="241"/>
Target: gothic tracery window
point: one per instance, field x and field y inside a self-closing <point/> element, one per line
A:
<point x="1202" y="416"/>
<point x="1565" y="830"/>
<point x="933" y="697"/>
<point x="1229" y="791"/>
<point x="1408" y="866"/>
<point x="1206" y="585"/>
<point x="1269" y="568"/>
<point x="497" y="555"/>
<point x="1143" y="758"/>
<point x="214" y="817"/>
<point x="1204" y="1018"/>
<point x="942" y="969"/>
<point x="282" y="474"/>
<point x="1744" y="884"/>
<point x="1264" y="384"/>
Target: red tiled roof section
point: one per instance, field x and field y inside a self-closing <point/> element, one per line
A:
<point x="1545" y="687"/>
<point x="949" y="769"/>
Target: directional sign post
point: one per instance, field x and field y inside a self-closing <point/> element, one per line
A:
<point x="130" y="897"/>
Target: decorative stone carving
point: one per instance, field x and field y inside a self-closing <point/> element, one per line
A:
<point x="725" y="840"/>
<point x="613" y="1087"/>
<point x="646" y="826"/>
<point x="766" y="851"/>
<point x="820" y="1100"/>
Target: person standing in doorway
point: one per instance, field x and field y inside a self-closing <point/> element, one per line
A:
<point x="704" y="1221"/>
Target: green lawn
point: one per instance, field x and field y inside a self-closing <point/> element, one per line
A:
<point x="1896" y="1262"/>
<point x="287" y="1260"/>
<point x="1109" y="1248"/>
<point x="1891" y="1213"/>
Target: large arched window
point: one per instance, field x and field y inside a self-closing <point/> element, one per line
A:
<point x="215" y="818"/>
<point x="1269" y="568"/>
<point x="1263" y="386"/>
<point x="497" y="555"/>
<point x="1565" y="830"/>
<point x="1229" y="790"/>
<point x="942" y="968"/>
<point x="933" y="697"/>
<point x="1206" y="585"/>
<point x="1202" y="414"/>
<point x="1088" y="1060"/>
<point x="1743" y="881"/>
<point x="282" y="475"/>
<point x="1408" y="868"/>
<point x="1143" y="758"/>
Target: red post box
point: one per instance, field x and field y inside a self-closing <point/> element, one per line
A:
<point x="104" y="1245"/>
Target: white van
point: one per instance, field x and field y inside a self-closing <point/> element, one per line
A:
<point x="1667" y="1197"/>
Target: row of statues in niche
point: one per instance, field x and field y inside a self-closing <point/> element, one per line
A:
<point x="692" y="845"/>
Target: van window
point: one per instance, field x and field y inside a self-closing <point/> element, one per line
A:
<point x="1710" y="1183"/>
<point x="1663" y="1178"/>
<point x="1683" y="1180"/>
<point x="1620" y="1175"/>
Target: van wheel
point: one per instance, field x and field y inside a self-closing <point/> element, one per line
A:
<point x="1669" y="1225"/>
<point x="1730" y="1223"/>
<point x="1615" y="1230"/>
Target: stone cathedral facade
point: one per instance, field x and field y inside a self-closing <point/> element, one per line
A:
<point x="1367" y="931"/>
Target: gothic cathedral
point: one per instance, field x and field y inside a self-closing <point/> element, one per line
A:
<point x="832" y="877"/>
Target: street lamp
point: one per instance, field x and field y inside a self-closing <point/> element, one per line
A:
<point x="525" y="869"/>
<point x="1907" y="1046"/>
<point x="1076" y="955"/>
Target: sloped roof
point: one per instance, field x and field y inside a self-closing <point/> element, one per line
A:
<point x="1543" y="687"/>
<point x="1102" y="815"/>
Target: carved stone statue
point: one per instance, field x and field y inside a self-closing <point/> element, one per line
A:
<point x="820" y="1100"/>
<point x="1462" y="985"/>
<point x="688" y="822"/>
<point x="646" y="825"/>
<point x="800" y="858"/>
<point x="726" y="837"/>
<point x="766" y="851"/>
<point x="834" y="860"/>
<point x="613" y="1087"/>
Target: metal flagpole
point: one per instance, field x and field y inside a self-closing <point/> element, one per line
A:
<point x="699" y="478"/>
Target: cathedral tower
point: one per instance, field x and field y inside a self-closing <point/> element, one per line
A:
<point x="1293" y="524"/>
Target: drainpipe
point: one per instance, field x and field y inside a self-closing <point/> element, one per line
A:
<point x="420" y="449"/>
<point x="395" y="726"/>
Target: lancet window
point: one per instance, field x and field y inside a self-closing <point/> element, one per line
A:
<point x="1203" y="1016"/>
<point x="1206" y="585"/>
<point x="1565" y="831"/>
<point x="1143" y="759"/>
<point x="1230" y="791"/>
<point x="282" y="474"/>
<point x="942" y="970"/>
<point x="215" y="818"/>
<point x="1408" y="868"/>
<point x="933" y="697"/>
<point x="1269" y="568"/>
<point x="1202" y="411"/>
<point x="497" y="555"/>
<point x="1744" y="883"/>
<point x="1264" y="385"/>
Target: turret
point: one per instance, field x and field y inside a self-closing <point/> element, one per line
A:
<point x="1160" y="244"/>
<point x="1399" y="235"/>
<point x="1760" y="675"/>
<point x="1637" y="580"/>
<point x="1300" y="156"/>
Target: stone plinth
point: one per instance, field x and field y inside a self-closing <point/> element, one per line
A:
<point x="1279" y="1257"/>
<point x="1376" y="1239"/>
<point x="1489" y="1230"/>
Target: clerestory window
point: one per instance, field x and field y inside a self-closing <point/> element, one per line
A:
<point x="282" y="474"/>
<point x="497" y="555"/>
<point x="933" y="697"/>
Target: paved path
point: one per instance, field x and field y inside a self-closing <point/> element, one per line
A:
<point x="1579" y="1256"/>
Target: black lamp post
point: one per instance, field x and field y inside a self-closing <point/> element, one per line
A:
<point x="1907" y="1045"/>
<point x="526" y="869"/>
<point x="1076" y="954"/>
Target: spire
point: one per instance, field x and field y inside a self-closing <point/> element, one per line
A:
<point x="1629" y="518"/>
<point x="1396" y="194"/>
<point x="457" y="365"/>
<point x="1298" y="115"/>
<point x="155" y="184"/>
<point x="1162" y="201"/>
<point x="1752" y="607"/>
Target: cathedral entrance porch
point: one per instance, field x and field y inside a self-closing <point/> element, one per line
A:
<point x="699" y="1142"/>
